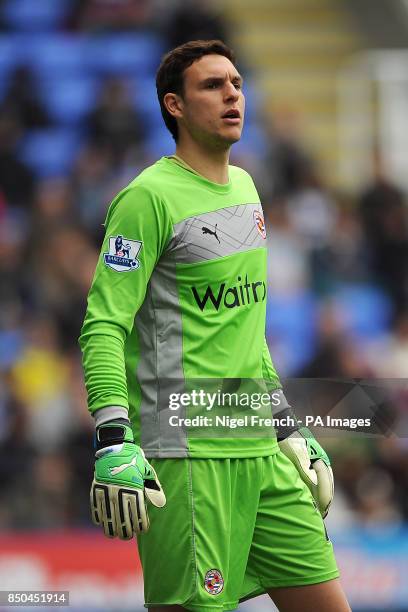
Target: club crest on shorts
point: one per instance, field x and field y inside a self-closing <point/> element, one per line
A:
<point x="213" y="582"/>
<point x="123" y="253"/>
<point x="260" y="223"/>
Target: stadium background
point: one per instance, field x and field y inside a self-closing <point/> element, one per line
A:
<point x="326" y="139"/>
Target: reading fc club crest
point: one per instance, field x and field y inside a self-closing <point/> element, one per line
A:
<point x="213" y="582"/>
<point x="123" y="253"/>
<point x="260" y="223"/>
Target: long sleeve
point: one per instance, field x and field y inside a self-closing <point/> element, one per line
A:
<point x="137" y="230"/>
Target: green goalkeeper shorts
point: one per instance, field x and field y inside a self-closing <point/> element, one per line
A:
<point x="231" y="529"/>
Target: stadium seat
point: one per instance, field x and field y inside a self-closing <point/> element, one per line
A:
<point x="50" y="152"/>
<point x="12" y="54"/>
<point x="159" y="142"/>
<point x="253" y="99"/>
<point x="69" y="99"/>
<point x="365" y="310"/>
<point x="53" y="55"/>
<point x="291" y="320"/>
<point x="125" y="54"/>
<point x="144" y="96"/>
<point x="11" y="344"/>
<point x="32" y="15"/>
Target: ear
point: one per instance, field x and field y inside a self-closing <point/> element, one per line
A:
<point x="174" y="105"/>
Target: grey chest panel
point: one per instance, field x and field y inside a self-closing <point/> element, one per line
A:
<point x="223" y="232"/>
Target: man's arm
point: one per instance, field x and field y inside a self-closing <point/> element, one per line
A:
<point x="137" y="230"/>
<point x="118" y="291"/>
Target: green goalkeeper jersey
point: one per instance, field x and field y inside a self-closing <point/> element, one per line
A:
<point x="179" y="294"/>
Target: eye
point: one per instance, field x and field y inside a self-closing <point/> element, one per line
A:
<point x="238" y="85"/>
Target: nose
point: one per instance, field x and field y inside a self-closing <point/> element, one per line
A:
<point x="231" y="93"/>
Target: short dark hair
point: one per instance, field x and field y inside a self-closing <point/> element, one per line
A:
<point x="170" y="75"/>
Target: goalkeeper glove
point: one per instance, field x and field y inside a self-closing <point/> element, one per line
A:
<point x="123" y="478"/>
<point x="313" y="465"/>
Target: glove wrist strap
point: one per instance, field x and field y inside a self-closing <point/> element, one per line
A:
<point x="287" y="423"/>
<point x="112" y="433"/>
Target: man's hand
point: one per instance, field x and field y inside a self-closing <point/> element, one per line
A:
<point x="313" y="465"/>
<point x="123" y="479"/>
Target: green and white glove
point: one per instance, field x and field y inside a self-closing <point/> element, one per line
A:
<point x="313" y="465"/>
<point x="123" y="479"/>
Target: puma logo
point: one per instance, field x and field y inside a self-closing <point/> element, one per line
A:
<point x="120" y="468"/>
<point x="207" y="230"/>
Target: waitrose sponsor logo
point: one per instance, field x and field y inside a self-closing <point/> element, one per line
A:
<point x="241" y="294"/>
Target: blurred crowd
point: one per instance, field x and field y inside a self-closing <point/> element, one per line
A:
<point x="338" y="270"/>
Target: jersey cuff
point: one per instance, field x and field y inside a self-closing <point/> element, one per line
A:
<point x="102" y="415"/>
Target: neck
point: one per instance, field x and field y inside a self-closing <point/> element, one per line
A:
<point x="212" y="164"/>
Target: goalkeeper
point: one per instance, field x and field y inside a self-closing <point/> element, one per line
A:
<point x="230" y="517"/>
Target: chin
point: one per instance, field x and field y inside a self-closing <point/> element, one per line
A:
<point x="231" y="139"/>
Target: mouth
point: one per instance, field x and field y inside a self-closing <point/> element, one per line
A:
<point x="232" y="116"/>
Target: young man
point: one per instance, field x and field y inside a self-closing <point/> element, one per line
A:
<point x="186" y="302"/>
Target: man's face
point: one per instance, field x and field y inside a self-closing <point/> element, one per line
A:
<point x="212" y="105"/>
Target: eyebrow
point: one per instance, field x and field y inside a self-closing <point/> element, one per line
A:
<point x="219" y="80"/>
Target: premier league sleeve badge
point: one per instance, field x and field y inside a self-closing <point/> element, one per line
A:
<point x="123" y="253"/>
